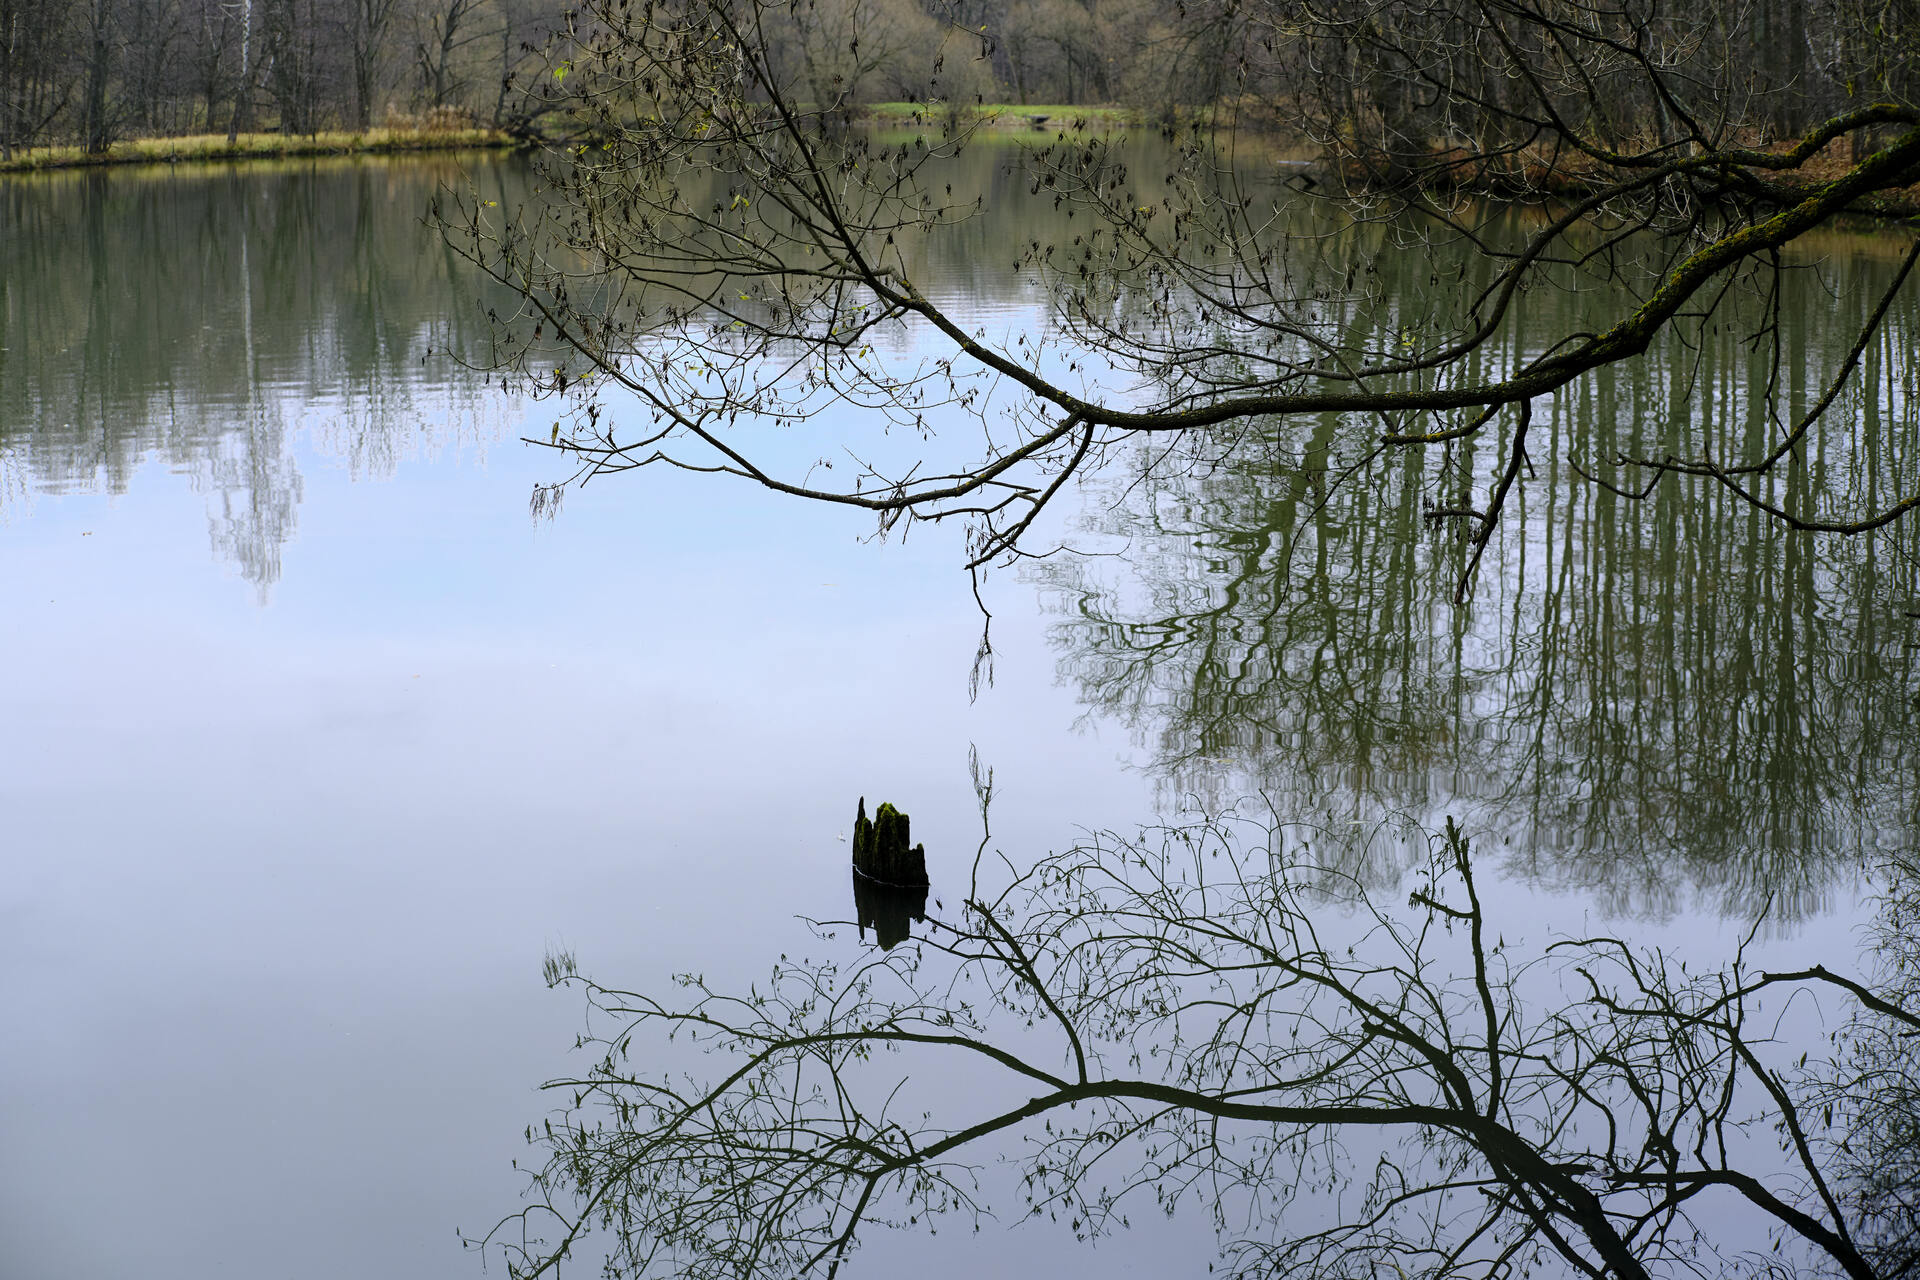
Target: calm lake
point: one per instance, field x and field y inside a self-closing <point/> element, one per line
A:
<point x="315" y="742"/>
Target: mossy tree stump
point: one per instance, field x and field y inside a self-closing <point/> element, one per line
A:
<point x="889" y="876"/>
<point x="881" y="852"/>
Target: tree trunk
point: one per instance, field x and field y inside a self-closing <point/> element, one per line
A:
<point x="506" y="62"/>
<point x="9" y="53"/>
<point x="242" y="114"/>
<point x="362" y="87"/>
<point x="96" y="134"/>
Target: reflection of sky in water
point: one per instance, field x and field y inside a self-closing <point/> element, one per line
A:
<point x="292" y="823"/>
<point x="282" y="876"/>
<point x="287" y="872"/>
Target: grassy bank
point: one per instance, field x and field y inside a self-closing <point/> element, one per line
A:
<point x="256" y="146"/>
<point x="1008" y="116"/>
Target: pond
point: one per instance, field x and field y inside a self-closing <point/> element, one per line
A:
<point x="318" y="743"/>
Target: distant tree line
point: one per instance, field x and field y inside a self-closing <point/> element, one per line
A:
<point x="90" y="71"/>
<point x="1406" y="65"/>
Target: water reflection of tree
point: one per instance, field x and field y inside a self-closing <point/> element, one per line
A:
<point x="1875" y="1089"/>
<point x="1221" y="1015"/>
<point x="1642" y="688"/>
<point x="207" y="320"/>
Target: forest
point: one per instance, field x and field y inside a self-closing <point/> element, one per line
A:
<point x="96" y="71"/>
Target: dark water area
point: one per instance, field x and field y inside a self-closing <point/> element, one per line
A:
<point x="316" y="743"/>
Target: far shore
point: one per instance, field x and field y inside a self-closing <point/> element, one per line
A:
<point x="1896" y="206"/>
<point x="256" y="146"/>
<point x="214" y="147"/>
<point x="1005" y="115"/>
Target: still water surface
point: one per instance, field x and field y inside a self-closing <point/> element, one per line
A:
<point x="315" y="743"/>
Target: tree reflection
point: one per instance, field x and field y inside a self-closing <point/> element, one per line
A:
<point x="208" y="319"/>
<point x="1221" y="1013"/>
<point x="1875" y="1089"/>
<point x="1643" y="696"/>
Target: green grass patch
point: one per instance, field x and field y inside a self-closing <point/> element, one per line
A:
<point x="1008" y="115"/>
<point x="256" y="146"/>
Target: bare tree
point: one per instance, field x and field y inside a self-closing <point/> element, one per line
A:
<point x="445" y="29"/>
<point x="725" y="257"/>
<point x="35" y="84"/>
<point x="240" y="115"/>
<point x="1220" y="1015"/>
<point x="213" y="32"/>
<point x="99" y="114"/>
<point x="848" y="52"/>
<point x="292" y="55"/>
<point x="367" y="25"/>
<point x="154" y="32"/>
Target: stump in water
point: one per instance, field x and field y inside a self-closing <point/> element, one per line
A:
<point x="880" y="849"/>
<point x="889" y="878"/>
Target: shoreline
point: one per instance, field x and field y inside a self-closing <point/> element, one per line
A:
<point x="214" y="148"/>
<point x="1529" y="181"/>
<point x="1005" y="116"/>
<point x="1897" y="206"/>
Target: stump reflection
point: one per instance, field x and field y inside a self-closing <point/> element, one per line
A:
<point x="888" y="909"/>
<point x="889" y="875"/>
